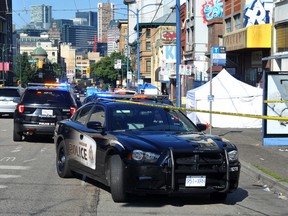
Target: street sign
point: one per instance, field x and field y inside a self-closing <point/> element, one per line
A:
<point x="219" y="55"/>
<point x="117" y="64"/>
<point x="32" y="60"/>
<point x="129" y="75"/>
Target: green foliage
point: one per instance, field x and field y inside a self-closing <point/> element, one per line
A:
<point x="104" y="71"/>
<point x="29" y="72"/>
<point x="23" y="67"/>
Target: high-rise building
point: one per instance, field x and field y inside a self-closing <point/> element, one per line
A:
<point x="112" y="36"/>
<point x="6" y="22"/>
<point x="41" y="16"/>
<point x="90" y="16"/>
<point x="80" y="37"/>
<point x="105" y="15"/>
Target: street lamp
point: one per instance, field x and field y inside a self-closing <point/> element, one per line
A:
<point x="138" y="39"/>
<point x="178" y="54"/>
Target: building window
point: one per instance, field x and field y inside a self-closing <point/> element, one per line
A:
<point x="148" y="45"/>
<point x="282" y="37"/>
<point x="237" y="21"/>
<point x="53" y="53"/>
<point x="148" y="65"/>
<point x="228" y="25"/>
<point x="148" y="33"/>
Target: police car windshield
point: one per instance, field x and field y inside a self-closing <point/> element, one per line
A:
<point x="149" y="119"/>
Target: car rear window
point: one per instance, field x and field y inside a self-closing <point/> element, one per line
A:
<point x="9" y="93"/>
<point x="47" y="97"/>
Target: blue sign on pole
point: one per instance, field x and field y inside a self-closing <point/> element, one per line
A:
<point x="219" y="55"/>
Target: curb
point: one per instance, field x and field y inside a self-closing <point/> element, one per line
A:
<point x="264" y="179"/>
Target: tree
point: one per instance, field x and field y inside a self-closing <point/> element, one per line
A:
<point x="104" y="70"/>
<point x="23" y="67"/>
<point x="29" y="72"/>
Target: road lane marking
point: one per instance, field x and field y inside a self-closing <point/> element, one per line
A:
<point x="3" y="186"/>
<point x="9" y="176"/>
<point x="8" y="159"/>
<point x="14" y="167"/>
<point x="17" y="149"/>
<point x="29" y="160"/>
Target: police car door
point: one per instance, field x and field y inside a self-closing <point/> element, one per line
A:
<point x="80" y="144"/>
<point x="97" y="141"/>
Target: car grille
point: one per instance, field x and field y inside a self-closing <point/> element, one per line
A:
<point x="211" y="164"/>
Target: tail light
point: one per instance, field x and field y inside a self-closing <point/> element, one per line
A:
<point x="72" y="110"/>
<point x="20" y="108"/>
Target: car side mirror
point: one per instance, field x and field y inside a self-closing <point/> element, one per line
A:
<point x="201" y="126"/>
<point x="95" y="125"/>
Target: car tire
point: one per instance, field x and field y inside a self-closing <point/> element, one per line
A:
<point x="221" y="197"/>
<point x="17" y="136"/>
<point x="62" y="165"/>
<point x="117" y="179"/>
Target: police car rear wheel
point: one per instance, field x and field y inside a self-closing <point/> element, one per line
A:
<point x="63" y="169"/>
<point x="117" y="179"/>
<point x="17" y="136"/>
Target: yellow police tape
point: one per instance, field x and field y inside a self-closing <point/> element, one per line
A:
<point x="278" y="118"/>
<point x="275" y="101"/>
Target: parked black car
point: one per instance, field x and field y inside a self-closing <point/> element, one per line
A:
<point x="144" y="148"/>
<point x="39" y="108"/>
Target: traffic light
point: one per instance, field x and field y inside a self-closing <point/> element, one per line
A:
<point x="88" y="72"/>
<point x="40" y="63"/>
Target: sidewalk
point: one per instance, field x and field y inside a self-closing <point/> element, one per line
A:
<point x="252" y="154"/>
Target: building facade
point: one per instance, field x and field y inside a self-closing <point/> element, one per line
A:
<point x="112" y="37"/>
<point x="278" y="61"/>
<point x="146" y="11"/>
<point x="68" y="55"/>
<point x="105" y="15"/>
<point x="80" y="37"/>
<point x="41" y="16"/>
<point x="247" y="38"/>
<point x="28" y="44"/>
<point x="90" y="16"/>
<point x="6" y="41"/>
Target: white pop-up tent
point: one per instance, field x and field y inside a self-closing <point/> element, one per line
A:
<point x="230" y="95"/>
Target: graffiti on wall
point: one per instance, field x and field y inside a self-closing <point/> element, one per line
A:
<point x="258" y="12"/>
<point x="212" y="9"/>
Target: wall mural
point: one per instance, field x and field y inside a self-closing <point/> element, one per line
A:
<point x="212" y="9"/>
<point x="258" y="12"/>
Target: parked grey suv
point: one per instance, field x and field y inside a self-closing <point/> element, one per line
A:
<point x="9" y="97"/>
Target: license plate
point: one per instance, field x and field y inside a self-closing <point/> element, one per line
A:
<point x="46" y="123"/>
<point x="195" y="181"/>
<point x="46" y="112"/>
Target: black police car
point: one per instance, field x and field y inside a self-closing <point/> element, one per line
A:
<point x="144" y="148"/>
<point x="40" y="107"/>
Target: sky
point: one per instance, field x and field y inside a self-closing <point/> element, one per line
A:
<point x="61" y="9"/>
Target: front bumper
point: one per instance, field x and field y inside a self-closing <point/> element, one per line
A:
<point x="170" y="176"/>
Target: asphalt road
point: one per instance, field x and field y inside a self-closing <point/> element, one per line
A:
<point x="29" y="185"/>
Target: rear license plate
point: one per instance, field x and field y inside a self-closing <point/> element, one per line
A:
<point x="195" y="181"/>
<point x="46" y="112"/>
<point x="46" y="123"/>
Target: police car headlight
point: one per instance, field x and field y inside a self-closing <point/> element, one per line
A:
<point x="233" y="156"/>
<point x="143" y="156"/>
